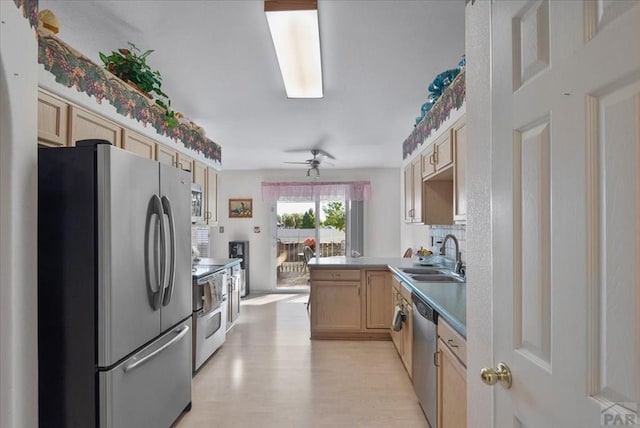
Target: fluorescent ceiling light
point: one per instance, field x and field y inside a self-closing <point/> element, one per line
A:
<point x="296" y="38"/>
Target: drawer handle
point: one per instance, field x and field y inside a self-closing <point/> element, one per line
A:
<point x="436" y="358"/>
<point x="134" y="362"/>
<point x="452" y="343"/>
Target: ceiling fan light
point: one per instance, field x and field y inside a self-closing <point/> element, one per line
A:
<point x="296" y="38"/>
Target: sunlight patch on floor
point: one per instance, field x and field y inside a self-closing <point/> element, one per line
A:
<point x="266" y="299"/>
<point x="304" y="298"/>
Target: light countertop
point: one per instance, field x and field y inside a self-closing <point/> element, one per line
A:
<point x="207" y="266"/>
<point x="448" y="299"/>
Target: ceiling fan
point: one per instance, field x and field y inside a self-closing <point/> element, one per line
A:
<point x="314" y="163"/>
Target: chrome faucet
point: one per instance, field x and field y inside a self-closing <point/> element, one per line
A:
<point x="458" y="266"/>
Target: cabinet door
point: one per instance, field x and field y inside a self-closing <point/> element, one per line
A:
<point x="417" y="190"/>
<point x="138" y="144"/>
<point x="443" y="151"/>
<point x="452" y="389"/>
<point x="396" y="299"/>
<point x="428" y="161"/>
<point x="52" y="120"/>
<point x="377" y="294"/>
<point x="408" y="193"/>
<point x="186" y="163"/>
<point x="212" y="196"/>
<point x="407" y="339"/>
<point x="166" y="155"/>
<point x="335" y="306"/>
<point x="85" y="125"/>
<point x="460" y="173"/>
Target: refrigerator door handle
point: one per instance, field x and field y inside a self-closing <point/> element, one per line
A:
<point x="134" y="362"/>
<point x="166" y="205"/>
<point x="154" y="273"/>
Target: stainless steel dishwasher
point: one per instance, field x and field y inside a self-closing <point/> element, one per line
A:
<point x="425" y="372"/>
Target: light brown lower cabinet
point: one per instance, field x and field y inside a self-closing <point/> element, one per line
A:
<point x="349" y="304"/>
<point x="407" y="339"/>
<point x="377" y="289"/>
<point x="403" y="339"/>
<point x="452" y="378"/>
<point x="335" y="307"/>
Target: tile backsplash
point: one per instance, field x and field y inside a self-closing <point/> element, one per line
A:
<point x="459" y="231"/>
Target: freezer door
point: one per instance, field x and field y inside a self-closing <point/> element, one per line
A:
<point x="175" y="192"/>
<point x="151" y="388"/>
<point x="127" y="229"/>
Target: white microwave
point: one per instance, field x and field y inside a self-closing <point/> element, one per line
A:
<point x="197" y="204"/>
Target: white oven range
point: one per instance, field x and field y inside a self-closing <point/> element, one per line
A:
<point x="209" y="312"/>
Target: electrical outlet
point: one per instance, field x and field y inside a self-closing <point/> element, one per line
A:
<point x="221" y="229"/>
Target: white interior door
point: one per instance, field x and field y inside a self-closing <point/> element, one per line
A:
<point x="566" y="211"/>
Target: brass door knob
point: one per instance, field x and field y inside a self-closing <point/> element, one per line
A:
<point x="503" y="375"/>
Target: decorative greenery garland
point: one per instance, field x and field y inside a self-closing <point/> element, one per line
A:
<point x="452" y="97"/>
<point x="72" y="69"/>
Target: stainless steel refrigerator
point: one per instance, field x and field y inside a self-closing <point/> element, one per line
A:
<point x="114" y="288"/>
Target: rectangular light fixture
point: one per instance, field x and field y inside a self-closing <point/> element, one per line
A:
<point x="296" y="37"/>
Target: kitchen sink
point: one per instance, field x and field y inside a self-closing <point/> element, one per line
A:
<point x="436" y="278"/>
<point x="423" y="270"/>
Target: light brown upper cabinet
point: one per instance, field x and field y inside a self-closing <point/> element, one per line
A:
<point x="166" y="155"/>
<point x="138" y="144"/>
<point x="211" y="213"/>
<point x="408" y="193"/>
<point x="186" y="163"/>
<point x="443" y="191"/>
<point x="413" y="192"/>
<point x="200" y="176"/>
<point x="85" y="125"/>
<point x="460" y="171"/>
<point x="53" y="118"/>
<point x="437" y="155"/>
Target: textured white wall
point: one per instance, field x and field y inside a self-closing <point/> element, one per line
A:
<point x="381" y="222"/>
<point x="18" y="194"/>
<point x="479" y="289"/>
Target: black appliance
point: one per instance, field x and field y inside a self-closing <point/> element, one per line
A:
<point x="240" y="250"/>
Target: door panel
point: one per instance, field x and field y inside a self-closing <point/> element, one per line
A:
<point x="175" y="185"/>
<point x="153" y="393"/>
<point x="565" y="209"/>
<point x="126" y="318"/>
<point x="614" y="237"/>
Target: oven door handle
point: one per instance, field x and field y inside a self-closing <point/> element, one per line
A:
<point x="208" y="315"/>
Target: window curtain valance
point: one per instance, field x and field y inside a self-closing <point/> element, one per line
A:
<point x="324" y="191"/>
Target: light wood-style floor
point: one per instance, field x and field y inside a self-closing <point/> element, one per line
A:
<point x="269" y="374"/>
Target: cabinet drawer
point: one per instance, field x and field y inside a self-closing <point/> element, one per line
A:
<point x="335" y="275"/>
<point x="456" y="343"/>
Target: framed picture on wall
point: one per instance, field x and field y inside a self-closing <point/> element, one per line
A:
<point x="240" y="208"/>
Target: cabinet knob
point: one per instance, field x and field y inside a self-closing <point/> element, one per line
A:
<point x="502" y="374"/>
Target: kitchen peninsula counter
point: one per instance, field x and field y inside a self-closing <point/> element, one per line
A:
<point x="448" y="299"/>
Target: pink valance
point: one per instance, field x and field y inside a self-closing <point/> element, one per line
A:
<point x="324" y="191"/>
